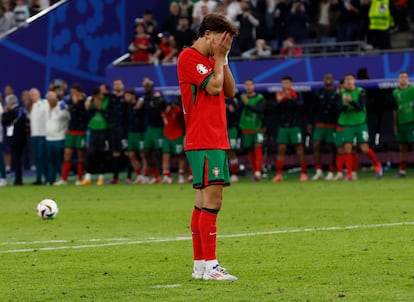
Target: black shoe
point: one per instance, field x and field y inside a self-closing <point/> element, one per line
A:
<point x="37" y="183"/>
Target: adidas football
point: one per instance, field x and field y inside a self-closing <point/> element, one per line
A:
<point x="47" y="209"/>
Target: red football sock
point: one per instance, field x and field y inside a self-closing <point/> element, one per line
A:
<point x="340" y="163"/>
<point x="279" y="166"/>
<point x="403" y="166"/>
<point x="348" y="164"/>
<point x="65" y="170"/>
<point x="138" y="171"/>
<point x="208" y="228"/>
<point x="252" y="159"/>
<point x="304" y="167"/>
<point x="166" y="173"/>
<point x="355" y="162"/>
<point x="190" y="171"/>
<point x="372" y="157"/>
<point x="147" y="172"/>
<point x="81" y="169"/>
<point x="234" y="166"/>
<point x="258" y="154"/>
<point x="318" y="167"/>
<point x="197" y="247"/>
<point x="331" y="168"/>
<point x="155" y="173"/>
<point x="181" y="172"/>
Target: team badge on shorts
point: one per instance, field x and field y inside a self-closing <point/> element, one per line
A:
<point x="216" y="171"/>
<point x="201" y="69"/>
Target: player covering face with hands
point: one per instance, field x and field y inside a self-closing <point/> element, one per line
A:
<point x="205" y="80"/>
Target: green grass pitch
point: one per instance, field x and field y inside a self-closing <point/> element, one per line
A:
<point x="291" y="241"/>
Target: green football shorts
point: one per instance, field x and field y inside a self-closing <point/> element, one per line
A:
<point x="358" y="132"/>
<point x="210" y="167"/>
<point x="405" y="133"/>
<point x="232" y="133"/>
<point x="153" y="138"/>
<point x="75" y="141"/>
<point x="339" y="136"/>
<point x="289" y="135"/>
<point x="173" y="146"/>
<point x="135" y="141"/>
<point x="250" y="140"/>
<point x="324" y="134"/>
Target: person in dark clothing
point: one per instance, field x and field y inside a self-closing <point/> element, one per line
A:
<point x="117" y="116"/>
<point x="171" y="22"/>
<point x="289" y="105"/>
<point x="324" y="119"/>
<point x="184" y="35"/>
<point x="247" y="26"/>
<point x="349" y="20"/>
<point x="15" y="120"/>
<point x="298" y="22"/>
<point x="136" y="131"/>
<point x="76" y="134"/>
<point x="233" y="115"/>
<point x="154" y="134"/>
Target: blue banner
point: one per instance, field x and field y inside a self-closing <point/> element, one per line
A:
<point x="306" y="72"/>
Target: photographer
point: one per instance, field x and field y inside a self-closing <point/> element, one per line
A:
<point x="248" y="23"/>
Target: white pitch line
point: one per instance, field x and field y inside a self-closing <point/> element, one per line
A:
<point x="151" y="240"/>
<point x="62" y="241"/>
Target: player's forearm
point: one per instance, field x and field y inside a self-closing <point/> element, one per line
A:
<point x="215" y="84"/>
<point x="229" y="83"/>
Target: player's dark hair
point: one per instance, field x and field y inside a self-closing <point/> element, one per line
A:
<point x="249" y="80"/>
<point x="77" y="87"/>
<point x="403" y="72"/>
<point x="130" y="91"/>
<point x="287" y="78"/>
<point x="217" y="23"/>
<point x="95" y="91"/>
<point x="349" y="75"/>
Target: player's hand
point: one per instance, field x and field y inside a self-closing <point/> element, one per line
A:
<point x="348" y="99"/>
<point x="280" y="97"/>
<point x="231" y="108"/>
<point x="221" y="44"/>
<point x="244" y="99"/>
<point x="97" y="104"/>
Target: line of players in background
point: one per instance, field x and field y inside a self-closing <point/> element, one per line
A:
<point x="149" y="130"/>
<point x="338" y="119"/>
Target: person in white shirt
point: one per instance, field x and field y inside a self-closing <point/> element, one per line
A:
<point x="38" y="117"/>
<point x="56" y="125"/>
<point x="3" y="181"/>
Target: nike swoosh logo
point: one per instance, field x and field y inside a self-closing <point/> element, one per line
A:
<point x="212" y="234"/>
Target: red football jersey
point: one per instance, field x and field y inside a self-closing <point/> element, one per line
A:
<point x="173" y="123"/>
<point x="204" y="114"/>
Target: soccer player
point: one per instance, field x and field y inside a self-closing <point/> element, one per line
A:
<point x="353" y="118"/>
<point x="173" y="141"/>
<point x="251" y="125"/>
<point x="403" y="115"/>
<point x="97" y="107"/>
<point x="232" y="115"/>
<point x="205" y="80"/>
<point x="154" y="134"/>
<point x="136" y="130"/>
<point x="76" y="134"/>
<point x="325" y="116"/>
<point x="289" y="105"/>
<point x="117" y="116"/>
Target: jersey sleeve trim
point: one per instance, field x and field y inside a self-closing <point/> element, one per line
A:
<point x="205" y="81"/>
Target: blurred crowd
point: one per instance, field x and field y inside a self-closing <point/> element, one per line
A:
<point x="271" y="27"/>
<point x="15" y="12"/>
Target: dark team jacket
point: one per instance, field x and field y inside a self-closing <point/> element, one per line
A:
<point x="325" y="107"/>
<point x="232" y="117"/>
<point x="117" y="111"/>
<point x="290" y="111"/>
<point x="78" y="116"/>
<point x="136" y="119"/>
<point x="152" y="112"/>
<point x="16" y="118"/>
